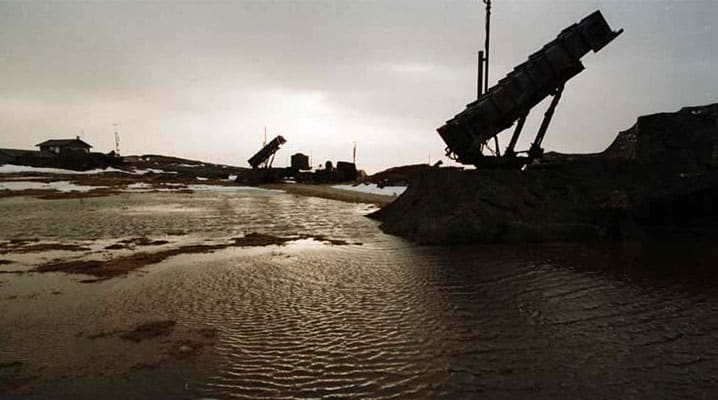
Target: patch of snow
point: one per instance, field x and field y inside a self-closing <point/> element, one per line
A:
<point x="60" y="186"/>
<point x="152" y="170"/>
<point x="372" y="188"/>
<point x="11" y="168"/>
<point x="232" y="178"/>
<point x="138" y="187"/>
<point x="200" y="178"/>
<point x="176" y="187"/>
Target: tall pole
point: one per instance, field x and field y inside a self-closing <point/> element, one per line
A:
<point x="480" y="77"/>
<point x="117" y="140"/>
<point x="354" y="153"/>
<point x="487" y="40"/>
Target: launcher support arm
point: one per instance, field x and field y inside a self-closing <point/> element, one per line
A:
<point x="536" y="151"/>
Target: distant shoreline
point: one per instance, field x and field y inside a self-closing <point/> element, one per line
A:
<point x="159" y="175"/>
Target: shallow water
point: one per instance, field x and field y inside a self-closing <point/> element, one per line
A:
<point x="380" y="319"/>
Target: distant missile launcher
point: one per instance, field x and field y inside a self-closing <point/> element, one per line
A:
<point x="543" y="75"/>
<point x="265" y="156"/>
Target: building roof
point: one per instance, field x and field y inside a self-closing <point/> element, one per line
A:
<point x="64" y="142"/>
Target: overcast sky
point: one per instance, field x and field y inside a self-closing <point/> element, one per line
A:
<point x="201" y="80"/>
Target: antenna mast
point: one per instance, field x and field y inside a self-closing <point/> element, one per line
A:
<point x="483" y="75"/>
<point x="354" y="153"/>
<point x="487" y="41"/>
<point x="117" y="140"/>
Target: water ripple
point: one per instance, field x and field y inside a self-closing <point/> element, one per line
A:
<point x="386" y="319"/>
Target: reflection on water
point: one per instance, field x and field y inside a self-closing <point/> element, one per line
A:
<point x="205" y="214"/>
<point x="386" y="319"/>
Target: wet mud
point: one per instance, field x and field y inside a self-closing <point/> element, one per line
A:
<point x="12" y="379"/>
<point x="132" y="242"/>
<point x="149" y="330"/>
<point x="122" y="265"/>
<point x="40" y="247"/>
<point x="172" y="344"/>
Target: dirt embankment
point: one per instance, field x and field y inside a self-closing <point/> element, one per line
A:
<point x="398" y="176"/>
<point x="659" y="179"/>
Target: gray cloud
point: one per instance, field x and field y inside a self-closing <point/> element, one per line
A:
<point x="202" y="79"/>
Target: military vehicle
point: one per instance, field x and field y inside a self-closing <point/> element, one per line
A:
<point x="512" y="98"/>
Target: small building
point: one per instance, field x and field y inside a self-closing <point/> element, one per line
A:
<point x="64" y="146"/>
<point x="300" y="162"/>
<point x="345" y="171"/>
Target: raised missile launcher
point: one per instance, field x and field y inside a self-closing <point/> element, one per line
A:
<point x="265" y="155"/>
<point x="543" y="75"/>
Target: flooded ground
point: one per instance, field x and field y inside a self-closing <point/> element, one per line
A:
<point x="364" y="315"/>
